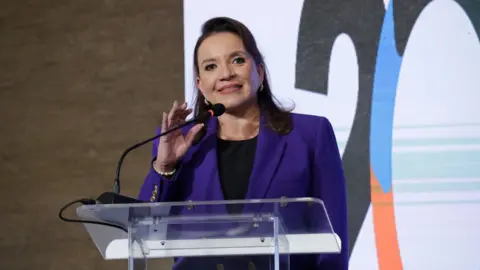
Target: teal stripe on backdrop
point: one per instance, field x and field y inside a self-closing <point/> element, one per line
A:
<point x="429" y="142"/>
<point x="452" y="125"/>
<point x="448" y="164"/>
<point x="342" y="129"/>
<point x="436" y="142"/>
<point x="444" y="164"/>
<point x="436" y="187"/>
<point x="430" y="203"/>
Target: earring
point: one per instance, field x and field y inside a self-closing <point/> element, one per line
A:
<point x="261" y="88"/>
<point x="206" y="102"/>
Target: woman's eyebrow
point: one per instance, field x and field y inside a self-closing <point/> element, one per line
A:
<point x="235" y="53"/>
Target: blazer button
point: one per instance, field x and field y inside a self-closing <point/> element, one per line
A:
<point x="190" y="207"/>
<point x="220" y="266"/>
<point x="156" y="188"/>
<point x="152" y="199"/>
<point x="251" y="266"/>
<point x="283" y="204"/>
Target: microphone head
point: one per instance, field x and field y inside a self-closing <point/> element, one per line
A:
<point x="218" y="109"/>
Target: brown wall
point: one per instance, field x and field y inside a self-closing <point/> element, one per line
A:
<point x="79" y="82"/>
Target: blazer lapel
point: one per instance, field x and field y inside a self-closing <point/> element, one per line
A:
<point x="210" y="164"/>
<point x="269" y="152"/>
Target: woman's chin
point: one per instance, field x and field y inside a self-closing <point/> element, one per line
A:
<point x="229" y="103"/>
<point x="237" y="105"/>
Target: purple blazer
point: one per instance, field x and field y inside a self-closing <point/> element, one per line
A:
<point x="304" y="163"/>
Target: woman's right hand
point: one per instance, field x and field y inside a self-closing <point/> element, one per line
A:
<point x="174" y="145"/>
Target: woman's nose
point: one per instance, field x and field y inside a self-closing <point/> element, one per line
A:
<point x="227" y="72"/>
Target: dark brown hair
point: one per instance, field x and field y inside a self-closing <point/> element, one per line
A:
<point x="277" y="118"/>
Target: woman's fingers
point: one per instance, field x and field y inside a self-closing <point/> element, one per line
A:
<point x="164" y="124"/>
<point x="192" y="133"/>
<point x="183" y="111"/>
<point x="183" y="114"/>
<point x="184" y="106"/>
<point x="176" y="116"/>
<point x="172" y="114"/>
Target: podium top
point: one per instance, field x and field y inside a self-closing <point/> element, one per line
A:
<point x="198" y="228"/>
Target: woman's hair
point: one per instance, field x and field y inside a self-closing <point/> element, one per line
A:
<point x="277" y="118"/>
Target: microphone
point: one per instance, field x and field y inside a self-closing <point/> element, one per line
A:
<point x="115" y="197"/>
<point x="216" y="110"/>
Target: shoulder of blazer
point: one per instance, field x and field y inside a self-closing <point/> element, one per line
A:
<point x="309" y="127"/>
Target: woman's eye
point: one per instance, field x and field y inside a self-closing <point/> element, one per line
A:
<point x="209" y="67"/>
<point x="239" y="60"/>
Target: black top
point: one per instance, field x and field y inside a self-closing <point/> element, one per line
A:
<point x="235" y="164"/>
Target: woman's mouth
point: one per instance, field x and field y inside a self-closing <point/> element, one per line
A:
<point x="226" y="89"/>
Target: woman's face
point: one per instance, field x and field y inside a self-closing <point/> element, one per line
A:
<point x="227" y="73"/>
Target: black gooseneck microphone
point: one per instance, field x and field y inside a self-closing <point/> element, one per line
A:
<point x="216" y="110"/>
<point x="115" y="197"/>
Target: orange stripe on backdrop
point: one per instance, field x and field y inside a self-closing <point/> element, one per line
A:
<point x="388" y="252"/>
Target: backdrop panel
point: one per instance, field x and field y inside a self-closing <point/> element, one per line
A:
<point x="399" y="81"/>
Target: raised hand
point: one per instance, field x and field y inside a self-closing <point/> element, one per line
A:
<point x="174" y="145"/>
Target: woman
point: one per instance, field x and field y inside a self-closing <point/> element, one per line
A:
<point x="254" y="150"/>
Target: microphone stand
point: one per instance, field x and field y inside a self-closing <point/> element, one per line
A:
<point x="115" y="197"/>
<point x="216" y="110"/>
<point x="116" y="184"/>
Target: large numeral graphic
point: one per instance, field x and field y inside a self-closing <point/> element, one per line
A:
<point x="321" y="22"/>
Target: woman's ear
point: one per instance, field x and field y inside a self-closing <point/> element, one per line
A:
<point x="198" y="83"/>
<point x="261" y="73"/>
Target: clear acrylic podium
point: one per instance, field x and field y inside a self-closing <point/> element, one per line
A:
<point x="260" y="234"/>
